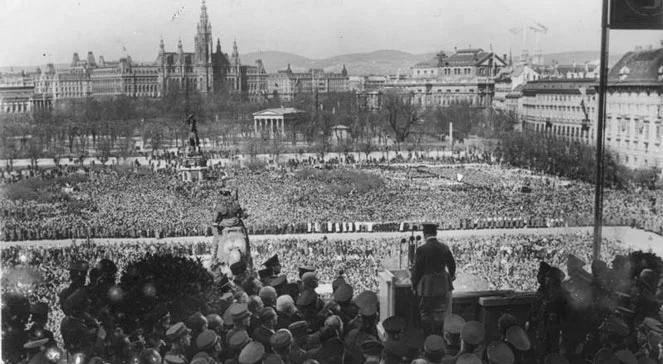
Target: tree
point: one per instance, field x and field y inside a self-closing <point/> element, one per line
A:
<point x="34" y="151"/>
<point x="276" y="148"/>
<point x="105" y="147"/>
<point x="400" y="114"/>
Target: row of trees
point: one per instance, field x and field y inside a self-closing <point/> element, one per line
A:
<point x="108" y="125"/>
<point x="566" y="158"/>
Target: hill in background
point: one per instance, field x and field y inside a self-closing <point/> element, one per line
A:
<point x="379" y="62"/>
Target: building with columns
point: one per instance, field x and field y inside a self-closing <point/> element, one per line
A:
<point x="277" y="122"/>
<point x="17" y="95"/>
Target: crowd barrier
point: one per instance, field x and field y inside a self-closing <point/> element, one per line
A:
<point x="654" y="226"/>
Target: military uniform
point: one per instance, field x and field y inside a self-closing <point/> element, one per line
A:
<point x="431" y="281"/>
<point x="78" y="335"/>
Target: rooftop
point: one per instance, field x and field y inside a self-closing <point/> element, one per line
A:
<point x="638" y="67"/>
<point x="279" y="111"/>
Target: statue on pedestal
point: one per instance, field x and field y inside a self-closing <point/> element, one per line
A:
<point x="231" y="240"/>
<point x="194" y="141"/>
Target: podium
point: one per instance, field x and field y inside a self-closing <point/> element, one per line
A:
<point x="396" y="299"/>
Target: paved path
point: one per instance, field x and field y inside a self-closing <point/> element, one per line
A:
<point x="637" y="239"/>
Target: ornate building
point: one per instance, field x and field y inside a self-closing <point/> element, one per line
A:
<point x="467" y="76"/>
<point x="207" y="69"/>
<point x="287" y="84"/>
<point x="17" y="95"/>
<point x="200" y="70"/>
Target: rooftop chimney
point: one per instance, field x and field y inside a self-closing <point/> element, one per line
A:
<point x="90" y="59"/>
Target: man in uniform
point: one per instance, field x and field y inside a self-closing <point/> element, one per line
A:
<point x="79" y="331"/>
<point x="179" y="337"/>
<point x="274" y="265"/>
<point x="433" y="272"/>
<point x="77" y="276"/>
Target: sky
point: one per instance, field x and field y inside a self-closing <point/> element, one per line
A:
<point x="35" y="32"/>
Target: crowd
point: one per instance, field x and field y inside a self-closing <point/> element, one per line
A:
<point x="123" y="203"/>
<point x="68" y="298"/>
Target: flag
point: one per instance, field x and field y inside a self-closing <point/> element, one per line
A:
<point x="636" y="14"/>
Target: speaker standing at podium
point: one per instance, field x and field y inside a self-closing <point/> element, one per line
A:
<point x="433" y="272"/>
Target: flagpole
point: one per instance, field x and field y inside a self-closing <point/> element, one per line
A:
<point x="600" y="126"/>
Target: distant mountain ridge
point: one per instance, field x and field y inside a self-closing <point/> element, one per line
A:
<point x="383" y="62"/>
<point x="380" y="62"/>
<point x="377" y="62"/>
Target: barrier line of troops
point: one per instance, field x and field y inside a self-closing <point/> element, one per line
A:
<point x="23" y="234"/>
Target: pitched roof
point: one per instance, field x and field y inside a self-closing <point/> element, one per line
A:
<point x="642" y="67"/>
<point x="466" y="57"/>
<point x="279" y="111"/>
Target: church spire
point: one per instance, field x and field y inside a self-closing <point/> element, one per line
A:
<point x="218" y="45"/>
<point x="203" y="41"/>
<point x="235" y="55"/>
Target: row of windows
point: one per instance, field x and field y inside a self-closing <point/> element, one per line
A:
<point x="563" y="130"/>
<point x="448" y="71"/>
<point x="636" y="128"/>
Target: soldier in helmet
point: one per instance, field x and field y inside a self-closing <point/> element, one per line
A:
<point x="433" y="272"/>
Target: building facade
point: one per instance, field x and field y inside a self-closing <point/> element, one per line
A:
<point x="17" y="95"/>
<point x="566" y="107"/>
<point x="560" y="107"/>
<point x="277" y="122"/>
<point x="205" y="70"/>
<point x="286" y="84"/>
<point x="634" y="114"/>
<point x="465" y="77"/>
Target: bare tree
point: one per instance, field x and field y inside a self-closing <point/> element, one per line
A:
<point x="400" y="114"/>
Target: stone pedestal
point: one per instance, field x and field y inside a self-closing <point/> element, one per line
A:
<point x="193" y="168"/>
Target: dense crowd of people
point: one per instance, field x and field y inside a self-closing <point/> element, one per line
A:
<point x="105" y="202"/>
<point x="68" y="298"/>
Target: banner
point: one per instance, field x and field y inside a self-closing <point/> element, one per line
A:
<point x="636" y="14"/>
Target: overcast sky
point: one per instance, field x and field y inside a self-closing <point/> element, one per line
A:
<point x="33" y="32"/>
